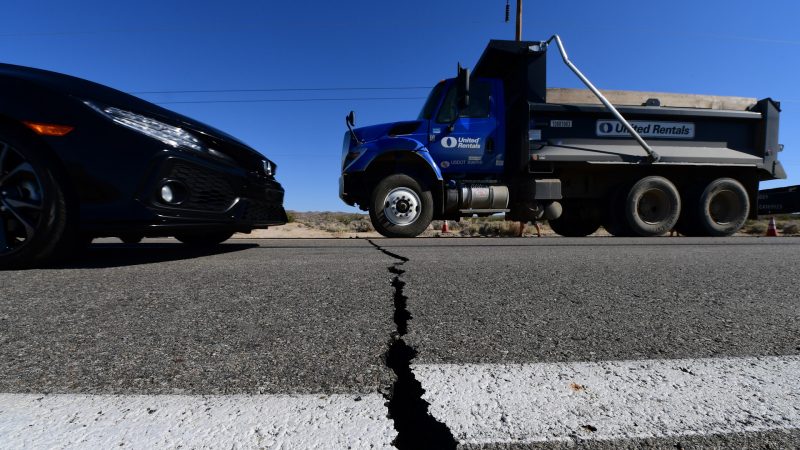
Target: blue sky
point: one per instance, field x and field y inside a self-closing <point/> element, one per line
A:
<point x="729" y="47"/>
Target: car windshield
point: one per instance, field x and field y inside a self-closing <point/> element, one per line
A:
<point x="432" y="102"/>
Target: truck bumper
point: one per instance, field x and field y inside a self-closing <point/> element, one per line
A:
<point x="348" y="185"/>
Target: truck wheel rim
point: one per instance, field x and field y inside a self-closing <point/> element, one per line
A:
<point x="653" y="206"/>
<point x="725" y="207"/>
<point x="401" y="206"/>
<point x="21" y="201"/>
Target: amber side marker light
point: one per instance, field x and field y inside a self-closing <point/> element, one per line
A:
<point x="48" y="129"/>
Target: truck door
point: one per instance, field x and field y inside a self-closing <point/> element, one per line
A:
<point x="466" y="141"/>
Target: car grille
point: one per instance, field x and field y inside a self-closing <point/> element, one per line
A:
<point x="207" y="190"/>
<point x="260" y="211"/>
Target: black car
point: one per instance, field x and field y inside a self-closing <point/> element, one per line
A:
<point x="79" y="160"/>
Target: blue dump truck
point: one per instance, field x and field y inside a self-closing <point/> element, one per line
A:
<point x="497" y="140"/>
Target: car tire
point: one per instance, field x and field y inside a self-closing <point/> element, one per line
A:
<point x="653" y="206"/>
<point x="37" y="223"/>
<point x="204" y="239"/>
<point x="578" y="219"/>
<point x="400" y="207"/>
<point x="131" y="238"/>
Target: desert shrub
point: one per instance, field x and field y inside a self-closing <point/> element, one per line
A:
<point x="755" y="227"/>
<point x="510" y="229"/>
<point x="361" y="226"/>
<point x="791" y="228"/>
<point x="470" y="229"/>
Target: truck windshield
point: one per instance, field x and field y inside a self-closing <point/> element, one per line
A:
<point x="432" y="102"/>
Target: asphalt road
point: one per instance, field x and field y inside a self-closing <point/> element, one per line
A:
<point x="323" y="318"/>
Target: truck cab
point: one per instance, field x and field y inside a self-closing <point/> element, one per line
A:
<point x="490" y="142"/>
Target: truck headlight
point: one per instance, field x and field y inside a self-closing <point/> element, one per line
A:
<point x="173" y="136"/>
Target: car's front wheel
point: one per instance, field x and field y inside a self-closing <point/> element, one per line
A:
<point x="400" y="207"/>
<point x="35" y="224"/>
<point x="204" y="239"/>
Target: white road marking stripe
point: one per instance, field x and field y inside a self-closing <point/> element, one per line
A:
<point x="529" y="403"/>
<point x="171" y="421"/>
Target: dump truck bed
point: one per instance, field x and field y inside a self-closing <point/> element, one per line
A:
<point x="637" y="98"/>
<point x="572" y="126"/>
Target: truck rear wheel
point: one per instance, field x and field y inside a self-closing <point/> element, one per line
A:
<point x="400" y="207"/>
<point x="653" y="206"/>
<point x="578" y="219"/>
<point x="722" y="208"/>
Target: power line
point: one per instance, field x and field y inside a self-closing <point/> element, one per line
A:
<point x="276" y="100"/>
<point x="212" y="91"/>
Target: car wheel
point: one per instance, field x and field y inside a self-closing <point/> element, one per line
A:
<point x="35" y="224"/>
<point x="131" y="238"/>
<point x="204" y="239"/>
<point x="653" y="206"/>
<point x="400" y="207"/>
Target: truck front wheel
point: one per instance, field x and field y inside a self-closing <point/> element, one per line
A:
<point x="400" y="207"/>
<point x="653" y="206"/>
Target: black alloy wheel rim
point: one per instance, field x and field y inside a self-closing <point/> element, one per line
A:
<point x="21" y="200"/>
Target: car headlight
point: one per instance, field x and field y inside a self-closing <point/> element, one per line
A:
<point x="269" y="168"/>
<point x="173" y="136"/>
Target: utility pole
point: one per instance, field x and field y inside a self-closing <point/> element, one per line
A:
<point x="519" y="17"/>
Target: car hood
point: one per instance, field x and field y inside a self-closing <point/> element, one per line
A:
<point x="94" y="92"/>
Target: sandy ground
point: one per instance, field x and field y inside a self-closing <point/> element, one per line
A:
<point x="300" y="231"/>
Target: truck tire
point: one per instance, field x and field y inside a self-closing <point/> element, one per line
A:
<point x="722" y="208"/>
<point x="36" y="223"/>
<point x="400" y="207"/>
<point x="653" y="206"/>
<point x="578" y="219"/>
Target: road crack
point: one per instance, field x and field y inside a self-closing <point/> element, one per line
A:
<point x="416" y="428"/>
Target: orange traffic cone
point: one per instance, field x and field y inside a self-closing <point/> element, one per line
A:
<point x="445" y="227"/>
<point x="772" y="230"/>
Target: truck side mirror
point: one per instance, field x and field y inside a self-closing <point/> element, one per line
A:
<point x="351" y="119"/>
<point x="462" y="87"/>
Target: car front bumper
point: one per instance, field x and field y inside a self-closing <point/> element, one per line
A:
<point x="218" y="196"/>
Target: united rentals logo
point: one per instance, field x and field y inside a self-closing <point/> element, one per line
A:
<point x="449" y="142"/>
<point x="663" y="130"/>
<point x="461" y="142"/>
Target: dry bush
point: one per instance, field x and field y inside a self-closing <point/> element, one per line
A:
<point x="791" y="228"/>
<point x="755" y="227"/>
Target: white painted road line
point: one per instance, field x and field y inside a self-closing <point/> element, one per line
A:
<point x="529" y="403"/>
<point x="171" y="421"/>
